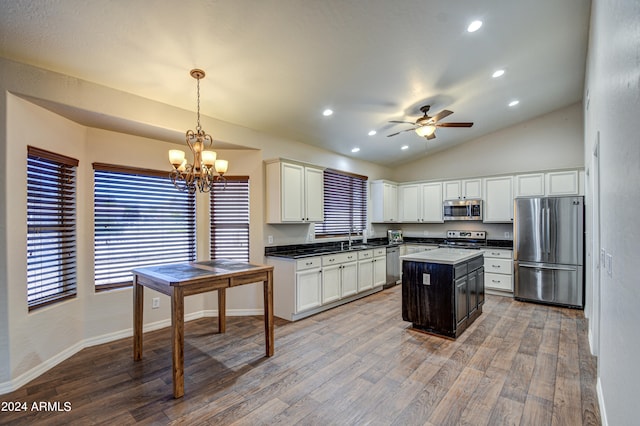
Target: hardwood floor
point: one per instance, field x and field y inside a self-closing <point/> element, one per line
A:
<point x="357" y="364"/>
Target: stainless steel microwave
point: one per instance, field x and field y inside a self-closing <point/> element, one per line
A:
<point x="462" y="210"/>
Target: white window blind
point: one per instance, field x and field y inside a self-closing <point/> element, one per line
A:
<point x="230" y="219"/>
<point x="51" y="227"/>
<point x="140" y="219"/>
<point x="345" y="204"/>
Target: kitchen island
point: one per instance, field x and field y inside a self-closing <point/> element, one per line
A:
<point x="442" y="290"/>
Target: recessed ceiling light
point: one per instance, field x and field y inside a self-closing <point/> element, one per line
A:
<point x="404" y="147"/>
<point x="372" y="132"/>
<point x="474" y="26"/>
<point x="514" y="103"/>
<point x="356" y="149"/>
<point x="497" y="73"/>
<point x="327" y="112"/>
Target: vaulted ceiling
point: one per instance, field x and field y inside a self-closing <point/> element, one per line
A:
<point x="276" y="65"/>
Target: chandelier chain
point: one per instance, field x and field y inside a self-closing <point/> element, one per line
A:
<point x="198" y="128"/>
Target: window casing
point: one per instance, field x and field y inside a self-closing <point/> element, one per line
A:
<point x="140" y="219"/>
<point x="51" y="227"/>
<point x="345" y="204"/>
<point x="229" y="208"/>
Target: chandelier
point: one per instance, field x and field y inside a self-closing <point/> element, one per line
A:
<point x="206" y="169"/>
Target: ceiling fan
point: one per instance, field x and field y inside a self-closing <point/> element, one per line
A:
<point x="426" y="126"/>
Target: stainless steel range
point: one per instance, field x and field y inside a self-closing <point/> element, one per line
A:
<point x="465" y="239"/>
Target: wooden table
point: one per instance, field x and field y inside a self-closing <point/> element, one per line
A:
<point x="178" y="280"/>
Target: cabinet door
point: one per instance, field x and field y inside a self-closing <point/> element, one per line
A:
<point x="562" y="183"/>
<point x="452" y="190"/>
<point x="390" y="202"/>
<point x="409" y="203"/>
<point x="530" y="185"/>
<point x="293" y="193"/>
<point x="314" y="194"/>
<point x="472" y="188"/>
<point x="308" y="286"/>
<point x="379" y="271"/>
<point x="498" y="201"/>
<point x="480" y="286"/>
<point x="365" y="274"/>
<point x="331" y="278"/>
<point x="349" y="273"/>
<point x="432" y="202"/>
<point x="462" y="299"/>
<point x="472" y="284"/>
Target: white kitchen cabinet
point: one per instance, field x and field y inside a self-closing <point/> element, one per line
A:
<point x="498" y="271"/>
<point x="365" y="270"/>
<point x="384" y="201"/>
<point x="308" y="289"/>
<point x="529" y="185"/>
<point x="295" y="192"/>
<point x="379" y="267"/>
<point x="339" y="276"/>
<point x="421" y="202"/>
<point x="462" y="189"/>
<point x="498" y="199"/>
<point x="562" y="183"/>
<point x="565" y="182"/>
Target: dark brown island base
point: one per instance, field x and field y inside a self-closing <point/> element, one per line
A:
<point x="442" y="290"/>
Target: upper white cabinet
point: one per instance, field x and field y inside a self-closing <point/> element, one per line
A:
<point x="295" y="192"/>
<point x="384" y="201"/>
<point x="567" y="182"/>
<point x="498" y="199"/>
<point x="530" y="185"/>
<point x="562" y="183"/>
<point x="421" y="202"/>
<point x="462" y="189"/>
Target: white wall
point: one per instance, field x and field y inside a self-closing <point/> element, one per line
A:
<point x="612" y="102"/>
<point x="33" y="342"/>
<point x="551" y="141"/>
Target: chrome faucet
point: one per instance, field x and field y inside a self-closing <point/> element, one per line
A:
<point x="349" y="238"/>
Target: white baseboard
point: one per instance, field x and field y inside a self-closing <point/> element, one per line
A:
<point x="48" y="364"/>
<point x="603" y="412"/>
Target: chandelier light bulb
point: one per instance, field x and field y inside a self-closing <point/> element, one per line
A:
<point x="209" y="158"/>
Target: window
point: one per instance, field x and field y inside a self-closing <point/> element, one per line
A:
<point x="345" y="204"/>
<point x="230" y="219"/>
<point x="140" y="219"/>
<point x="51" y="227"/>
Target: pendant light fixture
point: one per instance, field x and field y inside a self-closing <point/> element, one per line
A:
<point x="206" y="168"/>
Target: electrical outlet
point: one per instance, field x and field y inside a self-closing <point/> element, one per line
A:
<point x="507" y="234"/>
<point x="270" y="239"/>
<point x="155" y="303"/>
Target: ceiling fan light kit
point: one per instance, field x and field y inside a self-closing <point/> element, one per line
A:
<point x="425" y="126"/>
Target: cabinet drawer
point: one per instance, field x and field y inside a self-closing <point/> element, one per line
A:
<point x="498" y="281"/>
<point x="499" y="253"/>
<point x="308" y="263"/>
<point x="498" y="266"/>
<point x="475" y="264"/>
<point x="379" y="252"/>
<point x="365" y="254"/>
<point x="460" y="271"/>
<point x="334" y="259"/>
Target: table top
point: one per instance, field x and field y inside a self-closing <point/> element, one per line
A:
<point x="445" y="256"/>
<point x="180" y="273"/>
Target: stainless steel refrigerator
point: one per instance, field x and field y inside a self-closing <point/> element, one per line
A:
<point x="549" y="250"/>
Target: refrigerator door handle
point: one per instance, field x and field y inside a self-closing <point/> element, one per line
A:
<point x="543" y="266"/>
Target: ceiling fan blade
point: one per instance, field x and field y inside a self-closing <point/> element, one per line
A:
<point x="398" y="121"/>
<point x="401" y="131"/>
<point x="442" y="114"/>
<point x="431" y="136"/>
<point x="454" y="124"/>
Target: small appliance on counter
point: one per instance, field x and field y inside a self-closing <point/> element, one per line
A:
<point x="395" y="236"/>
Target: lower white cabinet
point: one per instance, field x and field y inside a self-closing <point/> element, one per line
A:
<point x="303" y="287"/>
<point x="498" y="270"/>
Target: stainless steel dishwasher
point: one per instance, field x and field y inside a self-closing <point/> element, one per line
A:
<point x="393" y="266"/>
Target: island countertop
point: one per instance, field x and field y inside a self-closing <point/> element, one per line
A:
<point x="446" y="256"/>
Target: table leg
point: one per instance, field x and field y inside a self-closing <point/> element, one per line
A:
<point x="138" y="303"/>
<point x="177" y="332"/>
<point x="222" y="310"/>
<point x="268" y="313"/>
